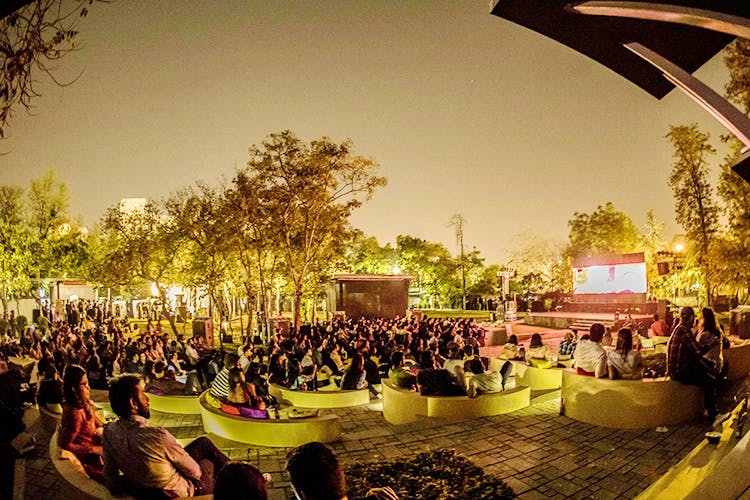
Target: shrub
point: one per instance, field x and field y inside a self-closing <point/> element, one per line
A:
<point x="438" y="475"/>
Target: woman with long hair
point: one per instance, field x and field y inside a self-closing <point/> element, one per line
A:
<point x="80" y="428"/>
<point x="539" y="355"/>
<point x="354" y="376"/>
<point x="624" y="361"/>
<point x="710" y="338"/>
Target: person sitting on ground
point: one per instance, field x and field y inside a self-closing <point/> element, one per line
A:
<point x="399" y="375"/>
<point x="220" y="384"/>
<point x="80" y="428"/>
<point x="150" y="457"/>
<point x="436" y="381"/>
<point x="624" y="361"/>
<point x="240" y="481"/>
<point x="50" y="393"/>
<point x="685" y="363"/>
<point x="159" y="383"/>
<point x="590" y="357"/>
<point x="511" y="349"/>
<point x="481" y="382"/>
<point x="316" y="474"/>
<point x="455" y="362"/>
<point x="539" y="354"/>
<point x="355" y="376"/>
<point x="567" y="346"/>
<point x="248" y="353"/>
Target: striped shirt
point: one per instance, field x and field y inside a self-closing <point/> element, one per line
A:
<point x="220" y="385"/>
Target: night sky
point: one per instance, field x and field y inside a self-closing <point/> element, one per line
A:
<point x="465" y="112"/>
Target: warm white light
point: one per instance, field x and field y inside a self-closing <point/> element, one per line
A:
<point x="678" y="247"/>
<point x="154" y="290"/>
<point x="396" y="270"/>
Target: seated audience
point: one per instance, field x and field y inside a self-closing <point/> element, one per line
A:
<point x="50" y="394"/>
<point x="481" y="382"/>
<point x="511" y="349"/>
<point x="590" y="357"/>
<point x="659" y="327"/>
<point x="316" y="474"/>
<point x="539" y="354"/>
<point x="355" y="376"/>
<point x="242" y="393"/>
<point x="220" y="384"/>
<point x="624" y="361"/>
<point x="436" y="381"/>
<point x="399" y="375"/>
<point x="150" y="457"/>
<point x="240" y="481"/>
<point x="567" y="346"/>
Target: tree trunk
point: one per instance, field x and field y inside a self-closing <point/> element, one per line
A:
<point x="165" y="311"/>
<point x="297" y="304"/>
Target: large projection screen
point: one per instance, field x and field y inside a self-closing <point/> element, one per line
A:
<point x="597" y="278"/>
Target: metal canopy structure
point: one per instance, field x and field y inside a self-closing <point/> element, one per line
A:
<point x="654" y="44"/>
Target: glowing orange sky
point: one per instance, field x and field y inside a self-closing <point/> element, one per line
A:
<point x="465" y="112"/>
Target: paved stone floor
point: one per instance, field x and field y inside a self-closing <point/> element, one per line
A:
<point x="538" y="452"/>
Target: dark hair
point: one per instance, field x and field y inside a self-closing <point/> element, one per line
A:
<point x="239" y="480"/>
<point x="475" y="366"/>
<point x="709" y="320"/>
<point x="624" y="341"/>
<point x="230" y="360"/>
<point x="315" y="471"/>
<point x="235" y="377"/>
<point x="71" y="380"/>
<point x="536" y="341"/>
<point x="513" y="339"/>
<point x="397" y="358"/>
<point x="596" y="332"/>
<point x="121" y="391"/>
<point x="427" y="360"/>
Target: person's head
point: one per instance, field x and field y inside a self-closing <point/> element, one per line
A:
<point x="236" y="377"/>
<point x="127" y="397"/>
<point x="475" y="366"/>
<point x="569" y="337"/>
<point x="358" y="362"/>
<point x="687" y="316"/>
<point x="427" y="360"/>
<point x="237" y="477"/>
<point x="656" y="316"/>
<point x="76" y="386"/>
<point x="248" y="350"/>
<point x="709" y="319"/>
<point x="231" y="360"/>
<point x="513" y="339"/>
<point x="536" y="340"/>
<point x="596" y="332"/>
<point x="397" y="359"/>
<point x="624" y="340"/>
<point x="315" y="473"/>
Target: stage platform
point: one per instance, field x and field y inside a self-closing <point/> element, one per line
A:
<point x="563" y="320"/>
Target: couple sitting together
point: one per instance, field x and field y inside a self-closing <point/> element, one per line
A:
<point x="624" y="362"/>
<point x="470" y="380"/>
<point x="538" y="354"/>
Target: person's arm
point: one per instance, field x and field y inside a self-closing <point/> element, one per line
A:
<point x="70" y="427"/>
<point x="601" y="367"/>
<point x="111" y="471"/>
<point x="180" y="458"/>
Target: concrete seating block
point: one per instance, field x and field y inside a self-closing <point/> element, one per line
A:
<point x="738" y="360"/>
<point x="183" y="405"/>
<point x="285" y="432"/>
<point x="401" y="406"/>
<point x="629" y="404"/>
<point x="325" y="397"/>
<point x="538" y="379"/>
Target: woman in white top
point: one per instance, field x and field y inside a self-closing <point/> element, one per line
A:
<point x="539" y="355"/>
<point x="624" y="362"/>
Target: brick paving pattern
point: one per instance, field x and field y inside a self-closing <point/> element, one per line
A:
<point x="539" y="453"/>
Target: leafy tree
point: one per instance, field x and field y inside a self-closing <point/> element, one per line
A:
<point x="310" y="190"/>
<point x="541" y="265"/>
<point x="34" y="35"/>
<point x="695" y="208"/>
<point x="365" y="256"/>
<point x="434" y="269"/>
<point x="141" y="244"/>
<point x="604" y="231"/>
<point x="15" y="247"/>
<point x="737" y="88"/>
<point x="458" y="221"/>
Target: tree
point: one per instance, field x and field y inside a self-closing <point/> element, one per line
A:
<point x="310" y="190"/>
<point x="736" y="58"/>
<point x="541" y="264"/>
<point x="32" y="39"/>
<point x="695" y="209"/>
<point x="15" y="247"/>
<point x="141" y="244"/>
<point x="604" y="231"/>
<point x="365" y="256"/>
<point x="433" y="268"/>
<point x="458" y="221"/>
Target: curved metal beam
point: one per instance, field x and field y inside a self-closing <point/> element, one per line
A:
<point x="721" y="109"/>
<point x="702" y="18"/>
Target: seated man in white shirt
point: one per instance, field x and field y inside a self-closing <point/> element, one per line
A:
<point x="151" y="459"/>
<point x="482" y="382"/>
<point x="590" y="357"/>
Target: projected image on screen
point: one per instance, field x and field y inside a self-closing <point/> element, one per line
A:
<point x="616" y="278"/>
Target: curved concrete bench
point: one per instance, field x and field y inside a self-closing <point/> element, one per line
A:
<point x="50" y="420"/>
<point x="538" y="379"/>
<point x="75" y="482"/>
<point x="401" y="406"/>
<point x="629" y="404"/>
<point x="738" y="360"/>
<point x="325" y="397"/>
<point x="286" y="433"/>
<point x="183" y="405"/>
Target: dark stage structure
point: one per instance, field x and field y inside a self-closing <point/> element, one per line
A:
<point x="368" y="295"/>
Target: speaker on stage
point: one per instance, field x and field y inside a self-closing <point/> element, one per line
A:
<point x="663" y="268"/>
